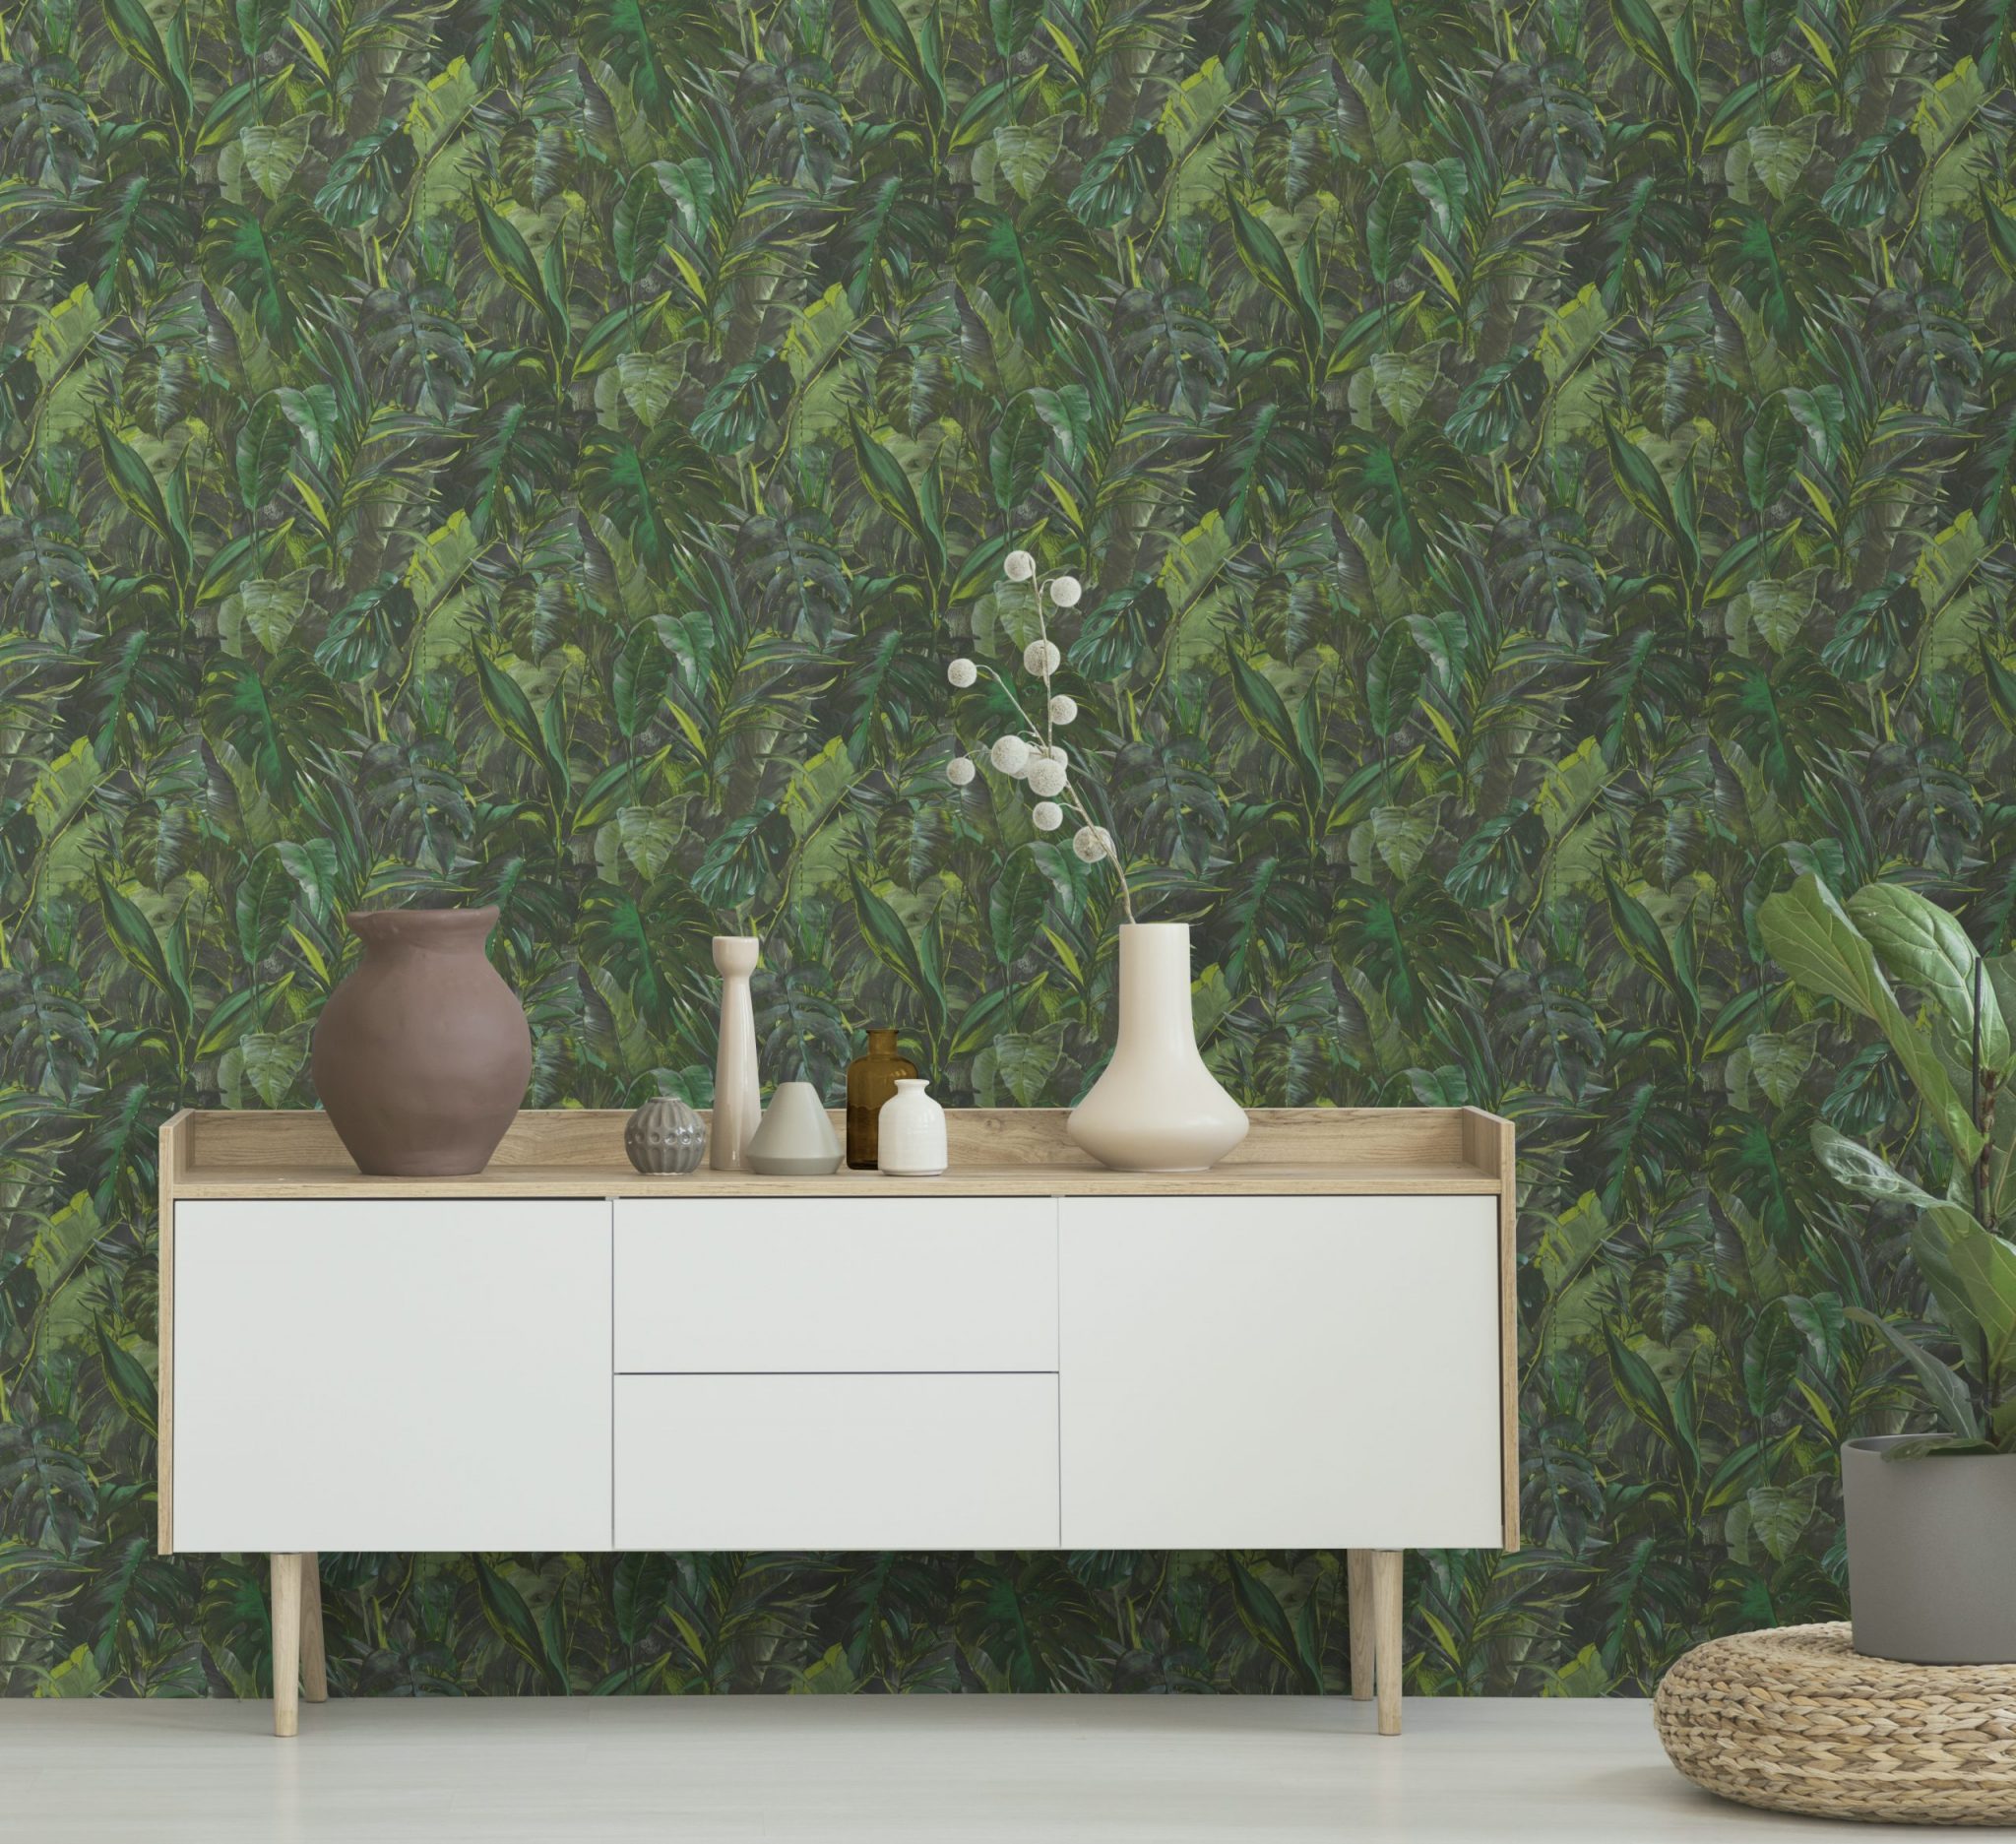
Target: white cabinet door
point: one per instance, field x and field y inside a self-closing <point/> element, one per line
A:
<point x="394" y="1375"/>
<point x="1279" y="1373"/>
<point x="837" y="1284"/>
<point x="837" y="1462"/>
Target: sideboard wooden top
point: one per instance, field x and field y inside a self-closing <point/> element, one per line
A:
<point x="1006" y="1152"/>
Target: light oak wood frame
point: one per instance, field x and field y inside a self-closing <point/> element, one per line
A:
<point x="177" y="1136"/>
<point x="1490" y="1144"/>
<point x="1006" y="1152"/>
<point x="1001" y="1152"/>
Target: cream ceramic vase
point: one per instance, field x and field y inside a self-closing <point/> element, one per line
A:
<point x="1156" y="1108"/>
<point x="737" y="1097"/>
<point x="910" y="1133"/>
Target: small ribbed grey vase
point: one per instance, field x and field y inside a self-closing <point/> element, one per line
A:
<point x="665" y="1135"/>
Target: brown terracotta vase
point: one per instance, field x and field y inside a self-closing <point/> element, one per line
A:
<point x="422" y="1054"/>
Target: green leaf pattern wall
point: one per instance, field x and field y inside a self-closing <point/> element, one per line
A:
<point x="1544" y="476"/>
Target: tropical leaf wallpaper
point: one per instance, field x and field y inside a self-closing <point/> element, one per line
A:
<point x="1544" y="476"/>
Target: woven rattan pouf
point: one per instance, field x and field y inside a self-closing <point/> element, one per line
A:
<point x="1798" y="1721"/>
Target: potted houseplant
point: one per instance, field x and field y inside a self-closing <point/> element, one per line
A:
<point x="1156" y="1107"/>
<point x="1931" y="1569"/>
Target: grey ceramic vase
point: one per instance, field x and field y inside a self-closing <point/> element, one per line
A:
<point x="1931" y="1572"/>
<point x="795" y="1140"/>
<point x="422" y="1054"/>
<point x="663" y="1136"/>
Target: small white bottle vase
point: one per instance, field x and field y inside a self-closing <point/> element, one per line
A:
<point x="737" y="1097"/>
<point x="1156" y="1108"/>
<point x="910" y="1133"/>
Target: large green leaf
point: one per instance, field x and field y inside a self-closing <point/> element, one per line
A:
<point x="1394" y="680"/>
<point x="891" y="32"/>
<point x="647" y="43"/>
<point x="891" y="942"/>
<point x="508" y="1612"/>
<point x="277" y="263"/>
<point x="1948" y="1395"/>
<point x="1664" y="1413"/>
<point x="1786" y="263"/>
<point x="1410" y="491"/>
<point x="1263" y="707"/>
<point x="1642" y="938"/>
<point x="886" y="482"/>
<point x="367" y="176"/>
<point x="264" y="450"/>
<point x="134" y="27"/>
<point x="1120" y="176"/>
<point x="1408" y="45"/>
<point x="1771" y="450"/>
<point x="1925" y="946"/>
<point x="660" y="493"/>
<point x="512" y="713"/>
<point x="1261" y="1611"/>
<point x="1860" y="1169"/>
<point x="1261" y="253"/>
<point x="1982" y="1267"/>
<point x="511" y="257"/>
<point x="1015" y="453"/>
<point x="1809" y="934"/>
<point x="1639" y="26"/>
<point x="1394" y="222"/>
<point x="130" y="477"/>
<point x="1027" y="263"/>
<point x="1015" y="910"/>
<point x="637" y="231"/>
<point x="143" y="948"/>
<point x="1640" y="483"/>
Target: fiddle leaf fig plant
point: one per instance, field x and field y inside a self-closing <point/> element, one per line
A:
<point x="1886" y="945"/>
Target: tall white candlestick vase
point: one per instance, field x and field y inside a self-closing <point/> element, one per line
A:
<point x="1156" y="1108"/>
<point x="737" y="1097"/>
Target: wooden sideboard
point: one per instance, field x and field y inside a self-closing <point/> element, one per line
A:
<point x="1310" y="1345"/>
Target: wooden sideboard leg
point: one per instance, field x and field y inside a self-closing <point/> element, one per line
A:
<point x="287" y="1641"/>
<point x="1386" y="1566"/>
<point x="314" y="1661"/>
<point x="1357" y="1577"/>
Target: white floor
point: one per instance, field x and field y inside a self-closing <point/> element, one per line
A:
<point x="837" y="1771"/>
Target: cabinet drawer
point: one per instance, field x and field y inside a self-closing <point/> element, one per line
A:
<point x="837" y="1284"/>
<point x="837" y="1462"/>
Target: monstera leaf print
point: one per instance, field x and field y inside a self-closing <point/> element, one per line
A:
<point x="1543" y="481"/>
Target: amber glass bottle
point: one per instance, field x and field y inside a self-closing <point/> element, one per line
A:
<point x="871" y="1080"/>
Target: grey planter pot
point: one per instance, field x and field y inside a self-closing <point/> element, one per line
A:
<point x="1931" y="1555"/>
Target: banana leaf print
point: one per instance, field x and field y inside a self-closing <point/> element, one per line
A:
<point x="1541" y="479"/>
